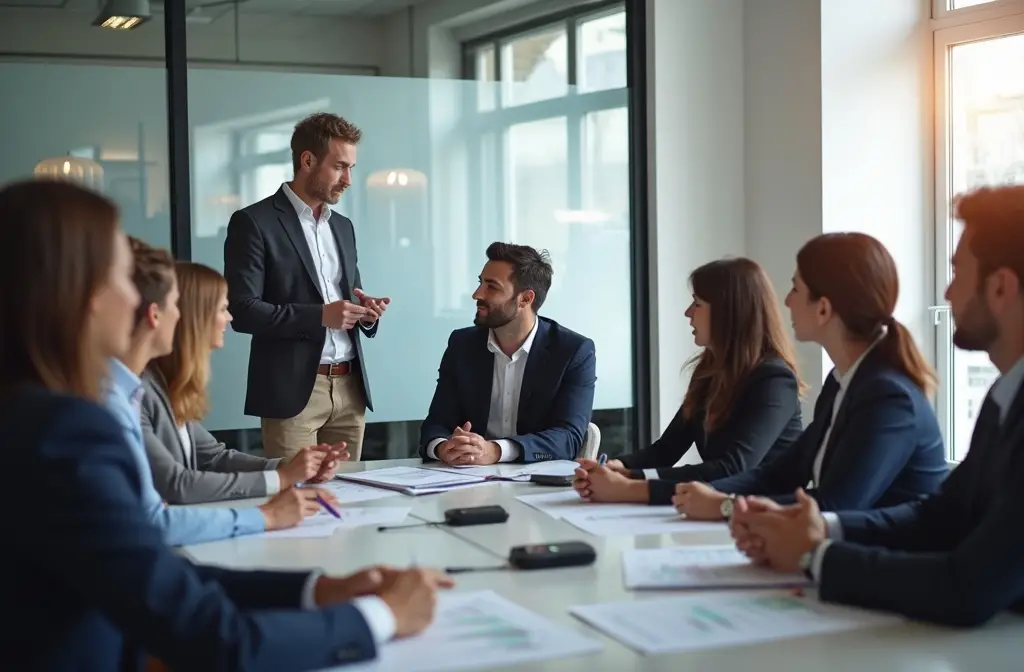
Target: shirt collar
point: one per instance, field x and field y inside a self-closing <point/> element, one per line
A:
<point x="524" y="349"/>
<point x="124" y="380"/>
<point x="844" y="379"/>
<point x="301" y="207"/>
<point x="1006" y="387"/>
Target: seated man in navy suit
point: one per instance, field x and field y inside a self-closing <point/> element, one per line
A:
<point x="516" y="387"/>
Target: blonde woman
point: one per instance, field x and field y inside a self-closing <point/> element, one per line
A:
<point x="189" y="465"/>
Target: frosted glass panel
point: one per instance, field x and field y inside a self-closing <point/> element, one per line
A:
<point x="436" y="181"/>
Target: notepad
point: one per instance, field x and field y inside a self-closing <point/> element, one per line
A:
<point x="719" y="566"/>
<point x="428" y="480"/>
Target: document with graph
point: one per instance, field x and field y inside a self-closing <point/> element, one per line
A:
<point x="709" y="620"/>
<point x="480" y="630"/>
<point x="719" y="566"/>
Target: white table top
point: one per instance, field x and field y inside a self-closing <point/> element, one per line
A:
<point x="911" y="646"/>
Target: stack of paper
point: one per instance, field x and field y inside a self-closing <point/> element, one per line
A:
<point x="515" y="472"/>
<point x="348" y="492"/>
<point x="413" y="480"/>
<point x="480" y="630"/>
<point x="707" y="620"/>
<point x="720" y="566"/>
<point x="324" y="524"/>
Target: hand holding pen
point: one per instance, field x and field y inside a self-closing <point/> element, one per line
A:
<point x="290" y="507"/>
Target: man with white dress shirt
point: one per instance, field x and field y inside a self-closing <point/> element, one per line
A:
<point x="293" y="283"/>
<point x="515" y="387"/>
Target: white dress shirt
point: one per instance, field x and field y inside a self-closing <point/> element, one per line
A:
<point x="327" y="262"/>
<point x="506" y="385"/>
<point x="271" y="479"/>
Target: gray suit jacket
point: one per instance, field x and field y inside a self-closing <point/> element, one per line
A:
<point x="217" y="473"/>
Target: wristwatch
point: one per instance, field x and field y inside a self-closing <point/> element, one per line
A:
<point x="727" y="506"/>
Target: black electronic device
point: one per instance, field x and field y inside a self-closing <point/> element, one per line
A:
<point x="545" y="556"/>
<point x="548" y="479"/>
<point x="475" y="515"/>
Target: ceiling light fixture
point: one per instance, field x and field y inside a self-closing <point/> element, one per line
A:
<point x="123" y="14"/>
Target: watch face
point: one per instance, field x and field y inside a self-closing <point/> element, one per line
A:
<point x="726" y="508"/>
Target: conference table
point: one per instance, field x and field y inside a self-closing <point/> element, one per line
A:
<point x="899" y="646"/>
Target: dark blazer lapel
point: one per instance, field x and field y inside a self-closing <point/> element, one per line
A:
<point x="534" y="369"/>
<point x="347" y="255"/>
<point x="862" y="374"/>
<point x="293" y="227"/>
<point x="159" y="384"/>
<point x="822" y="421"/>
<point x="482" y="372"/>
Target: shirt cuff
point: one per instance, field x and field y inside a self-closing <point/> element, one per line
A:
<point x="432" y="448"/>
<point x="309" y="590"/>
<point x="378" y="617"/>
<point x="509" y="450"/>
<point x="833" y="528"/>
<point x="249" y="521"/>
<point x="818" y="560"/>
<point x="272" y="480"/>
<point x="650" y="474"/>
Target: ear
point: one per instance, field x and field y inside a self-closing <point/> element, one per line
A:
<point x="824" y="310"/>
<point x="152" y="316"/>
<point x="308" y="160"/>
<point x="1001" y="287"/>
<point x="527" y="297"/>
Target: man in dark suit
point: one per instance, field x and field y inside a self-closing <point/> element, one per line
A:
<point x="293" y="283"/>
<point x="515" y="387"/>
<point x="957" y="557"/>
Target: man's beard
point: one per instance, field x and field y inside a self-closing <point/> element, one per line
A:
<point x="976" y="328"/>
<point x="322" y="192"/>
<point x="496" y="315"/>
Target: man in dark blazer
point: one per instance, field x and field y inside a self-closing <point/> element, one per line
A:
<point x="957" y="557"/>
<point x="515" y="387"/>
<point x="293" y="283"/>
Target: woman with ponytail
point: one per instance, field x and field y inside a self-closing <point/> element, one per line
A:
<point x="874" y="440"/>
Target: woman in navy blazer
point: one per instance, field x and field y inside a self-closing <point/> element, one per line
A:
<point x="742" y="405"/>
<point x="874" y="440"/>
<point x="90" y="583"/>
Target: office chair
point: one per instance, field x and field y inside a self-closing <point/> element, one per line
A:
<point x="591" y="442"/>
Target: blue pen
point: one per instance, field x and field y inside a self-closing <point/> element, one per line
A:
<point x="330" y="509"/>
<point x="602" y="459"/>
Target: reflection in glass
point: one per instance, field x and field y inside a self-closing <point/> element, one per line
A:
<point x="535" y="67"/>
<point x="986" y="109"/>
<point x="602" y="53"/>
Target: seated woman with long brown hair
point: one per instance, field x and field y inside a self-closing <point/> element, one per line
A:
<point x="189" y="465"/>
<point x="89" y="582"/>
<point x="874" y="440"/>
<point x="742" y="405"/>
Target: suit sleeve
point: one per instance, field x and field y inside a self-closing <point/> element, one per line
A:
<point x="244" y="268"/>
<point x="180" y="485"/>
<point x="90" y="535"/>
<point x="879" y="439"/>
<point x="443" y="414"/>
<point x="752" y="428"/>
<point x="964" y="586"/>
<point x="569" y="413"/>
<point x="357" y="282"/>
<point x="670" y="447"/>
<point x="212" y="455"/>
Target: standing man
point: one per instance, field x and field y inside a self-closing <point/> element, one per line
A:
<point x="293" y="283"/>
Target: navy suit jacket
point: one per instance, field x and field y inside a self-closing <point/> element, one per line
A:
<point x="955" y="558"/>
<point x="885" y="447"/>
<point x="764" y="422"/>
<point x="555" y="401"/>
<point x="90" y="585"/>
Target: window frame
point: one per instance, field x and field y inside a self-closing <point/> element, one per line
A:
<point x="951" y="28"/>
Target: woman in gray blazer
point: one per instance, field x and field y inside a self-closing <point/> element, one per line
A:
<point x="189" y="465"/>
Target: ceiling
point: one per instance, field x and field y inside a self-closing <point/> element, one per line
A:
<point x="215" y="8"/>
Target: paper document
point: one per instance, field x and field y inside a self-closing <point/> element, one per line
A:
<point x="479" y="630"/>
<point x="559" y="503"/>
<point x="324" y="524"/>
<point x="515" y="472"/>
<point x="707" y="620"/>
<point x="699" y="567"/>
<point x="644" y="520"/>
<point x="412" y="480"/>
<point x="349" y="492"/>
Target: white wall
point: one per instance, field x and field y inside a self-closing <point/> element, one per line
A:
<point x="695" y="145"/>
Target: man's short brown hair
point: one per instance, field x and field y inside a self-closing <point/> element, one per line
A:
<point x="153" y="276"/>
<point x="994" y="219"/>
<point x="315" y="132"/>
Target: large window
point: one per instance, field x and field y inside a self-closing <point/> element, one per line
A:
<point x="549" y="167"/>
<point x="980" y="86"/>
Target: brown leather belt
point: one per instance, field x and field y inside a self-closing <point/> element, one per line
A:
<point x="336" y="369"/>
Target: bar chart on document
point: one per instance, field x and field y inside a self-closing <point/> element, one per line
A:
<point x="480" y="630"/>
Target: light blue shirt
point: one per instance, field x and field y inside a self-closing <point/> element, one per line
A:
<point x="181" y="525"/>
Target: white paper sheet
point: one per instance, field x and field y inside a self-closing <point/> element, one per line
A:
<point x="517" y="472"/>
<point x="560" y="503"/>
<point x="349" y="492"/>
<point x="480" y="630"/>
<point x="411" y="480"/>
<point x="644" y="520"/>
<point x="720" y="566"/>
<point x="324" y="524"/>
<point x="708" y="620"/>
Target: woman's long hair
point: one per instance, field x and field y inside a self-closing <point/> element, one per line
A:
<point x="186" y="370"/>
<point x="746" y="329"/>
<point x="56" y="252"/>
<point x="859" y="278"/>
